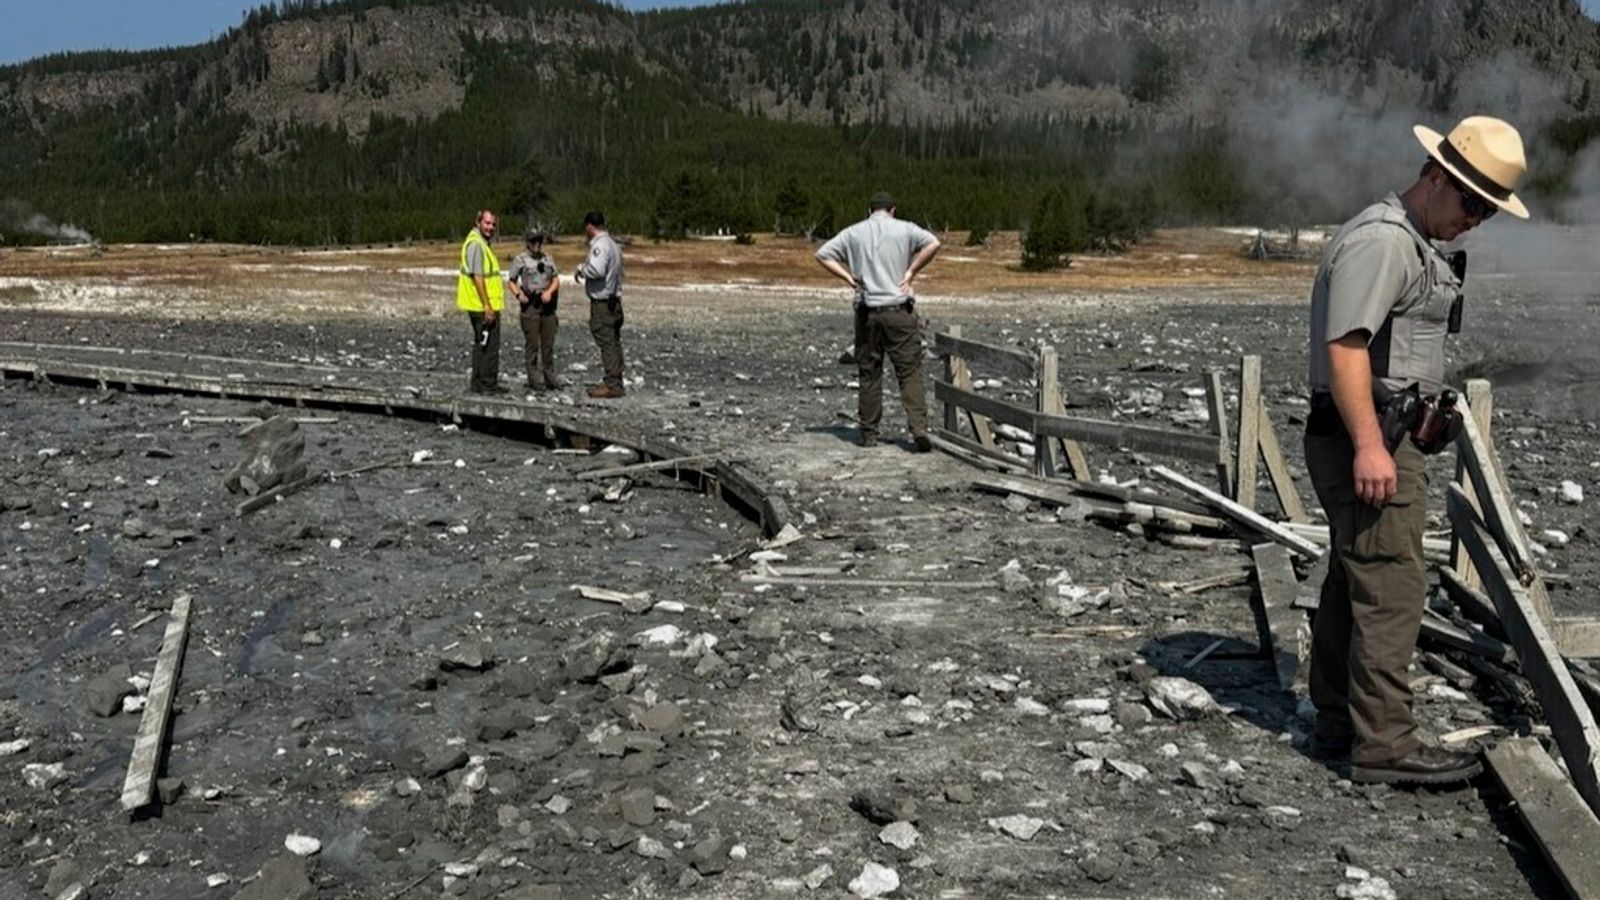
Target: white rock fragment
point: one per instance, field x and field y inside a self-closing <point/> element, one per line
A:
<point x="1030" y="707"/>
<point x="902" y="835"/>
<point x="1180" y="698"/>
<point x="1555" y="537"/>
<point x="1130" y="770"/>
<point x="1090" y="766"/>
<point x="1086" y="706"/>
<point x="1571" y="492"/>
<point x="819" y="876"/>
<point x="461" y="869"/>
<point x="558" y="805"/>
<point x="302" y="845"/>
<point x="217" y="880"/>
<point x="875" y="881"/>
<point x="12" y="748"/>
<point x="43" y="776"/>
<point x="660" y="636"/>
<point x="1370" y="889"/>
<point x="1019" y="826"/>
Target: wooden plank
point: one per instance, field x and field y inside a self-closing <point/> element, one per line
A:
<point x="1244" y="472"/>
<point x="1217" y="407"/>
<point x="988" y="407"/>
<point x="1471" y="600"/>
<point x="1499" y="511"/>
<point x="1055" y="404"/>
<point x="1309" y="595"/>
<point x="975" y="454"/>
<point x="145" y="762"/>
<point x="989" y="359"/>
<point x="1467" y="640"/>
<point x="1567" y="831"/>
<point x="1180" y="444"/>
<point x="679" y="462"/>
<point x="270" y="496"/>
<point x="961" y="377"/>
<point x="1480" y="400"/>
<point x="1279" y="586"/>
<point x="873" y="583"/>
<point x="1047" y="391"/>
<point x="1248" y="518"/>
<point x="952" y="374"/>
<point x="1577" y="636"/>
<point x="1278" y="469"/>
<point x="1571" y="721"/>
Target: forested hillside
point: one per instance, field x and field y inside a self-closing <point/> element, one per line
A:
<point x="365" y="121"/>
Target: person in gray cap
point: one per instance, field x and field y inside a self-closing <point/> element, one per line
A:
<point x="537" y="287"/>
<point x="601" y="277"/>
<point x="878" y="258"/>
<point x="1383" y="301"/>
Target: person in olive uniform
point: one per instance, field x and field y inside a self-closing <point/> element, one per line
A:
<point x="878" y="257"/>
<point x="537" y="286"/>
<point x="601" y="277"/>
<point x="1380" y="310"/>
<point x="480" y="293"/>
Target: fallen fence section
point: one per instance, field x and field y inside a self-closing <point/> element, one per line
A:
<point x="145" y="762"/>
<point x="727" y="480"/>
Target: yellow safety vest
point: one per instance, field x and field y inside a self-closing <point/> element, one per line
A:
<point x="466" y="291"/>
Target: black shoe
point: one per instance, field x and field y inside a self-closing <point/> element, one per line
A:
<point x="922" y="444"/>
<point x="1425" y="765"/>
<point x="866" y="439"/>
<point x="492" y="391"/>
<point x="1330" y="747"/>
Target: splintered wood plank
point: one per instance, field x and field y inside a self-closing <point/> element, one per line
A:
<point x="1278" y="469"/>
<point x="989" y="359"/>
<point x="1499" y="510"/>
<point x="1217" y="408"/>
<point x="1309" y="596"/>
<point x="1568" y="714"/>
<point x="1048" y="393"/>
<point x="145" y="763"/>
<point x="1248" y="518"/>
<point x="1279" y="587"/>
<point x="1244" y="483"/>
<point x="1567" y="831"/>
<point x="1480" y="400"/>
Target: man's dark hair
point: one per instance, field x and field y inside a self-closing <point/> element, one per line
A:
<point x="880" y="200"/>
<point x="595" y="217"/>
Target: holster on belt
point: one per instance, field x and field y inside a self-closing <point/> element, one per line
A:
<point x="1432" y="422"/>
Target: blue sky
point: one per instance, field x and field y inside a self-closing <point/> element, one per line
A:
<point x="34" y="29"/>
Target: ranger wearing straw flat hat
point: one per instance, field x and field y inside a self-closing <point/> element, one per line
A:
<point x="1384" y="298"/>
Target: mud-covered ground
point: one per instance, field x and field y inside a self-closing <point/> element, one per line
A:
<point x="324" y="691"/>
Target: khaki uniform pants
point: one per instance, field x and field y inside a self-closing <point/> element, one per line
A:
<point x="893" y="331"/>
<point x="485" y="358"/>
<point x="539" y="344"/>
<point x="1370" y="611"/>
<point x="605" y="323"/>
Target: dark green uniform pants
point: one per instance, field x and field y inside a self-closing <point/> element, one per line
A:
<point x="1371" y="606"/>
<point x="539" y="324"/>
<point x="485" y="353"/>
<point x="893" y="331"/>
<point x="605" y="323"/>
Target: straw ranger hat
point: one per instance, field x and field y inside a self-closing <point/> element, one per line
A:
<point x="1483" y="153"/>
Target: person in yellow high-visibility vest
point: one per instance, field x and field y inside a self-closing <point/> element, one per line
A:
<point x="481" y="294"/>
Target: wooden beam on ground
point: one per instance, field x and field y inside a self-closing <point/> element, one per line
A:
<point x="1279" y="586"/>
<point x="1217" y="408"/>
<point x="1278" y="469"/>
<point x="1471" y="600"/>
<point x="1480" y="400"/>
<point x="873" y="583"/>
<point x="272" y="495"/>
<point x="1244" y="472"/>
<point x="1567" y="831"/>
<point x="1066" y="493"/>
<point x="973" y="453"/>
<point x="1180" y="444"/>
<point x="1571" y="721"/>
<point x="989" y="359"/>
<point x="1466" y="640"/>
<point x="1309" y="595"/>
<point x="1248" y="518"/>
<point x="145" y="762"/>
<point x="680" y="462"/>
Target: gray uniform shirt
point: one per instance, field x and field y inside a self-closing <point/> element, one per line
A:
<point x="475" y="262"/>
<point x="877" y="251"/>
<point x="526" y="273"/>
<point x="1378" y="275"/>
<point x="601" y="273"/>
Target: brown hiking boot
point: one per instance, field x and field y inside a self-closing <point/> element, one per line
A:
<point x="605" y="392"/>
<point x="1425" y="765"/>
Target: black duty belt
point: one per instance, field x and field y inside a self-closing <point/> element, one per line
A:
<point x="906" y="306"/>
<point x="614" y="298"/>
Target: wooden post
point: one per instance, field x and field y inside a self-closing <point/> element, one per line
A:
<point x="962" y="378"/>
<point x="1047" y="396"/>
<point x="1480" y="398"/>
<point x="952" y="365"/>
<point x="1278" y="468"/>
<point x="1055" y="405"/>
<point x="1244" y="484"/>
<point x="1217" y="407"/>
